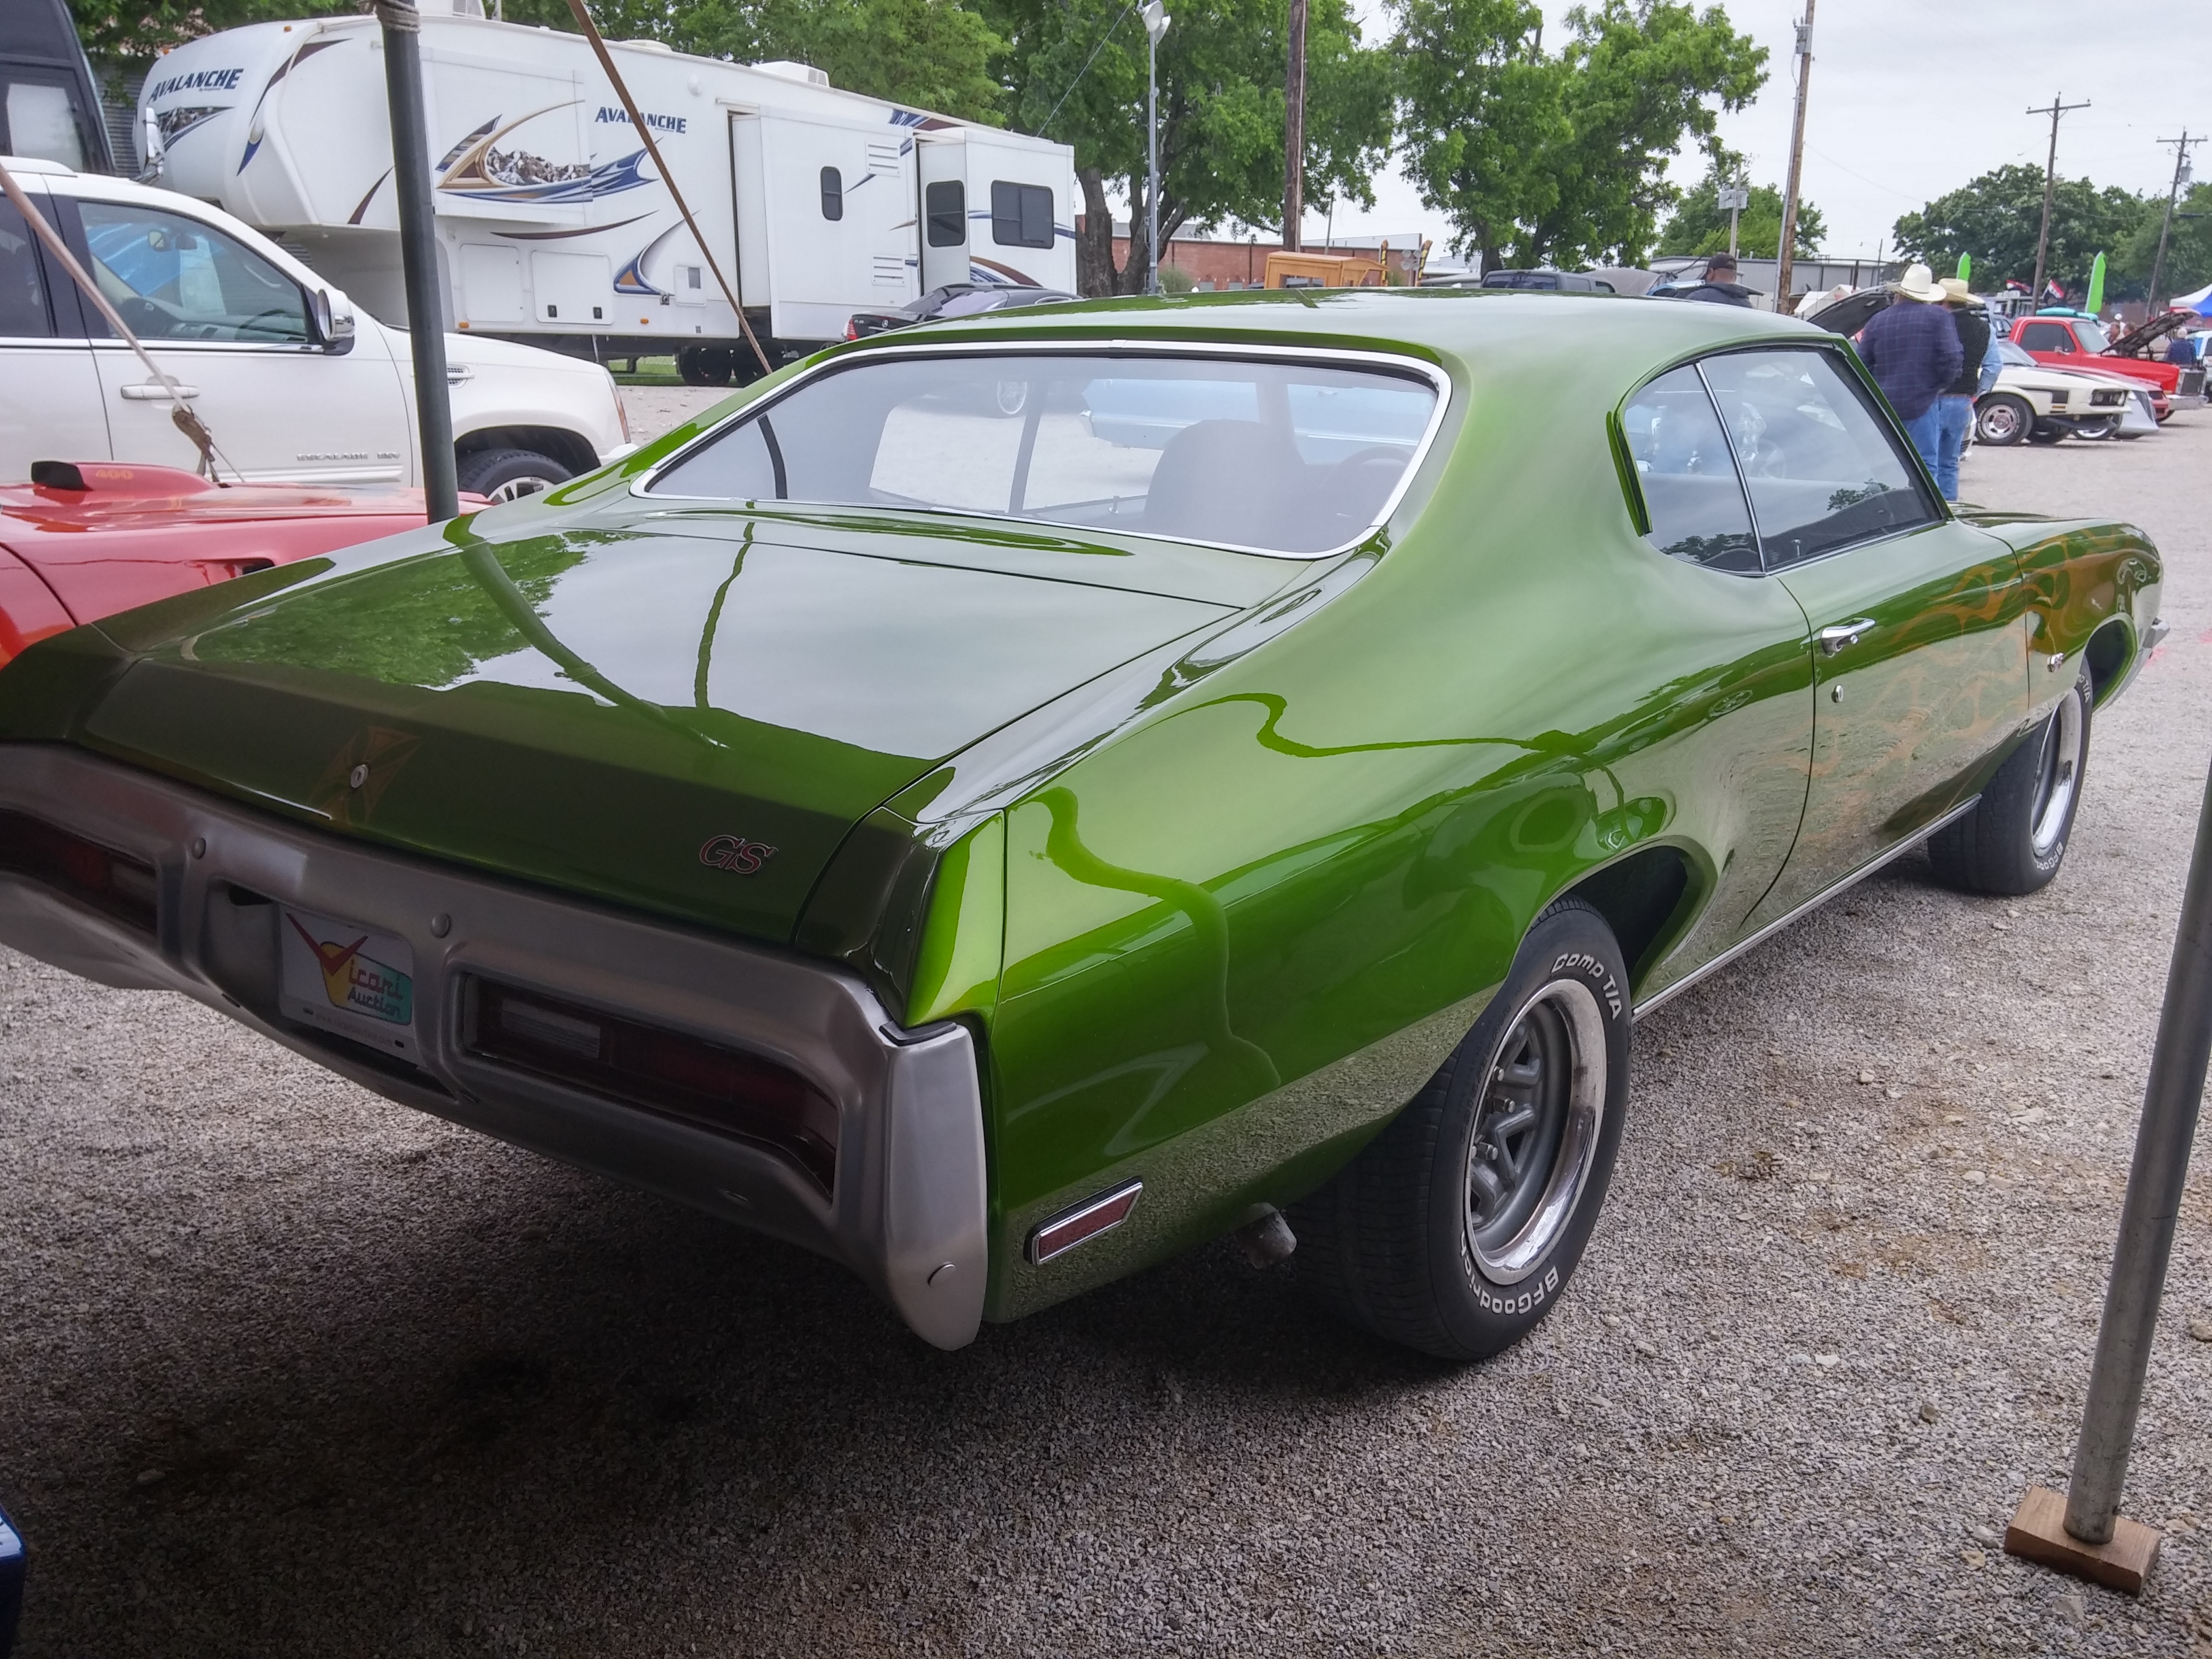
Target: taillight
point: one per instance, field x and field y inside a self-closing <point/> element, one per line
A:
<point x="112" y="883"/>
<point x="851" y="328"/>
<point x="706" y="1084"/>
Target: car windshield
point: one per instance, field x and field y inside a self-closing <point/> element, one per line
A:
<point x="1296" y="459"/>
<point x="2015" y="355"/>
<point x="2090" y="334"/>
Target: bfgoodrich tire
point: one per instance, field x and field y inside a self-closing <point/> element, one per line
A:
<point x="508" y="475"/>
<point x="2015" y="838"/>
<point x="1454" y="1231"/>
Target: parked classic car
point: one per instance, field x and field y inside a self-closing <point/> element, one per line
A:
<point x="85" y="539"/>
<point x="951" y="300"/>
<point x="2067" y="339"/>
<point x="999" y="857"/>
<point x="2032" y="402"/>
<point x="298" y="386"/>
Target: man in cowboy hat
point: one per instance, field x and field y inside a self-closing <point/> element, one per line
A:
<point x="1912" y="348"/>
<point x="1954" y="409"/>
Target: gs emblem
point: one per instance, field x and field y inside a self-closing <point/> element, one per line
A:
<point x="736" y="854"/>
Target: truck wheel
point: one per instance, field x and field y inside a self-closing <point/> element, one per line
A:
<point x="2002" y="420"/>
<point x="508" y="475"/>
<point x="703" y="365"/>
<point x="1455" y="1228"/>
<point x="2047" y="432"/>
<point x="2014" y="840"/>
<point x="2095" y="429"/>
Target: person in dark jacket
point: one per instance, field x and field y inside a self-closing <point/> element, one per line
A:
<point x="1913" y="351"/>
<point x="1954" y="410"/>
<point x="1720" y="287"/>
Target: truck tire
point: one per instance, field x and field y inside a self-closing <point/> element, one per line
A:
<point x="508" y="475"/>
<point x="2002" y="420"/>
<point x="2014" y="840"/>
<point x="704" y="365"/>
<point x="1455" y="1228"/>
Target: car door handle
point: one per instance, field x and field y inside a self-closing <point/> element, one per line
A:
<point x="150" y="392"/>
<point x="1839" y="635"/>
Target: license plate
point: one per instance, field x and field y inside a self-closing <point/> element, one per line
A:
<point x="349" y="979"/>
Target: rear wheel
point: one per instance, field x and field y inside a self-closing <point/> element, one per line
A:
<point x="508" y="475"/>
<point x="704" y="365"/>
<point x="2015" y="838"/>
<point x="2002" y="419"/>
<point x="1455" y="1228"/>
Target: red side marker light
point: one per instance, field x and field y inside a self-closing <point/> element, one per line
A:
<point x="1083" y="1223"/>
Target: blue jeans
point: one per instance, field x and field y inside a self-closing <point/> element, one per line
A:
<point x="1955" y="417"/>
<point x="1926" y="431"/>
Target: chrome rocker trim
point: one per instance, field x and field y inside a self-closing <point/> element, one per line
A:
<point x="908" y="1212"/>
<point x="1666" y="994"/>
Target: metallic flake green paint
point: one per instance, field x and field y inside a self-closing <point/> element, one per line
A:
<point x="1221" y="890"/>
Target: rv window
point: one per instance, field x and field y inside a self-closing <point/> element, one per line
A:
<point x="946" y="203"/>
<point x="833" y="194"/>
<point x="174" y="278"/>
<point x="1284" y="458"/>
<point x="22" y="296"/>
<point x="1021" y="214"/>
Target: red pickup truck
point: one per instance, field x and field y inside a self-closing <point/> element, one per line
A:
<point x="2080" y="343"/>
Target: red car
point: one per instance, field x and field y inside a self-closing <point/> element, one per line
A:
<point x="2080" y="343"/>
<point x="84" y="540"/>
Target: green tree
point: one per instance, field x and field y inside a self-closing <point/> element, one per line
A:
<point x="1539" y="158"/>
<point x="1075" y="72"/>
<point x="932" y="54"/>
<point x="1699" y="224"/>
<point x="2188" y="246"/>
<point x="1994" y="218"/>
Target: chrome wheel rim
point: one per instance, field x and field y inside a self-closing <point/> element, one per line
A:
<point x="2000" y="422"/>
<point x="2058" y="775"/>
<point x="1535" y="1132"/>
<point x="515" y="489"/>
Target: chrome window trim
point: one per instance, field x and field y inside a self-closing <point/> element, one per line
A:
<point x="908" y="1212"/>
<point x="1322" y="356"/>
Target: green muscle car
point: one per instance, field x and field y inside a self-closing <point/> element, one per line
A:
<point x="1002" y="808"/>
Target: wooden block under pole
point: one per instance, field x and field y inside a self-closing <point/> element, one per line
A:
<point x="2038" y="1532"/>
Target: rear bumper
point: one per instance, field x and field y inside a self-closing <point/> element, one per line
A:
<point x="908" y="1210"/>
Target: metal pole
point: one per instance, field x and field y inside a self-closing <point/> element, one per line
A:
<point x="2158" y="264"/>
<point x="1294" y="131"/>
<point x="2171" y="1101"/>
<point x="1151" y="162"/>
<point x="418" y="251"/>
<point x="1781" y="253"/>
<point x="2058" y="107"/>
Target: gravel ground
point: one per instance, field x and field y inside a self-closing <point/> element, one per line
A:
<point x="655" y="409"/>
<point x="288" y="1370"/>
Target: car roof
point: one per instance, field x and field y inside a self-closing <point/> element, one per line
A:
<point x="1428" y="322"/>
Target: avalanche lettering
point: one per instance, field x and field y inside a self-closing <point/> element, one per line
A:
<point x="657" y="123"/>
<point x="199" y="80"/>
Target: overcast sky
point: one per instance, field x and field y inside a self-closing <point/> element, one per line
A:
<point x="1911" y="99"/>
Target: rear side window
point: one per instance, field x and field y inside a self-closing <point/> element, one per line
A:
<point x="22" y="294"/>
<point x="945" y="205"/>
<point x="1688" y="474"/>
<point x="1021" y="214"/>
<point x="2046" y="336"/>
<point x="1822" y="469"/>
<point x="42" y="120"/>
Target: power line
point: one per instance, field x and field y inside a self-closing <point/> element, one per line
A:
<point x="2181" y="176"/>
<point x="2050" y="178"/>
<point x="1087" y="63"/>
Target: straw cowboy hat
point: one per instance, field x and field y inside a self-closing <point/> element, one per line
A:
<point x="1919" y="283"/>
<point x="1956" y="291"/>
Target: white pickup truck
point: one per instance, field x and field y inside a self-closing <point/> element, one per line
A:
<point x="296" y="386"/>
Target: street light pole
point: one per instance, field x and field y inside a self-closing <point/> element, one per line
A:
<point x="1156" y="25"/>
<point x="1782" y="253"/>
<point x="2049" y="180"/>
<point x="2180" y="178"/>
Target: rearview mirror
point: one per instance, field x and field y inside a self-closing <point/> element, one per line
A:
<point x="333" y="321"/>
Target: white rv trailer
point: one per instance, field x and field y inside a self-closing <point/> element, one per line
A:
<point x="553" y="225"/>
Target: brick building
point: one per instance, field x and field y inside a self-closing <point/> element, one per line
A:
<point x="1221" y="263"/>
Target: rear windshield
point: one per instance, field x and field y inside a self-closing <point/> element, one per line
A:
<point x="1286" y="457"/>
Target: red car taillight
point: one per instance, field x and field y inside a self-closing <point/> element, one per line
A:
<point x="678" y="1075"/>
<point x="112" y="883"/>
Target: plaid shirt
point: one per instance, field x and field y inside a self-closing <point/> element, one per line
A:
<point x="1913" y="350"/>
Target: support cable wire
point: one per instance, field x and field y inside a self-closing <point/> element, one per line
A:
<point x="645" y="134"/>
<point x="1087" y="63"/>
<point x="185" y="420"/>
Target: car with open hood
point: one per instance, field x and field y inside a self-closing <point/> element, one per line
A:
<point x="1255" y="789"/>
<point x="2033" y="402"/>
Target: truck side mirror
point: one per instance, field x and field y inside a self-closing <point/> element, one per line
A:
<point x="332" y="321"/>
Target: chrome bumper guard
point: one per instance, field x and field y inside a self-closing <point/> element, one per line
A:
<point x="908" y="1210"/>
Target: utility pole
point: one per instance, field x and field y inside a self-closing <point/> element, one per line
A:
<point x="2180" y="178"/>
<point x="2050" y="179"/>
<point x="401" y="26"/>
<point x="1734" y="197"/>
<point x="1294" y="130"/>
<point x="1784" y="253"/>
